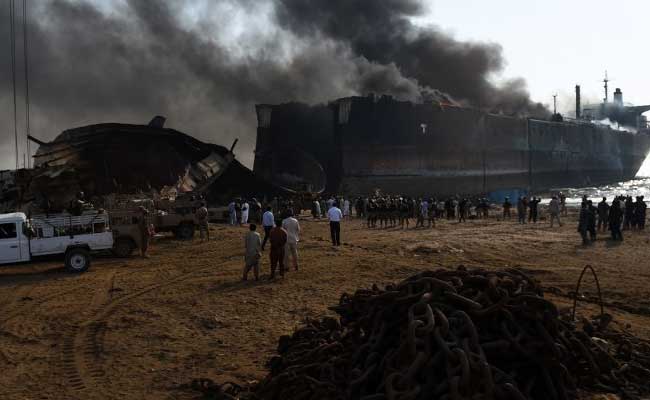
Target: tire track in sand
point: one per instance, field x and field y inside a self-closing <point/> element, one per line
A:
<point x="82" y="350"/>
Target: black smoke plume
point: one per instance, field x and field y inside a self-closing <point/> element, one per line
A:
<point x="90" y="62"/>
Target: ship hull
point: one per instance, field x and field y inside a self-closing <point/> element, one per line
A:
<point x="426" y="149"/>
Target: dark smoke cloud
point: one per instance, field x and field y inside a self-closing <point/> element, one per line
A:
<point x="382" y="32"/>
<point x="138" y="58"/>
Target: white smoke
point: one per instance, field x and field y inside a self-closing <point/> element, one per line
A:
<point x="614" y="125"/>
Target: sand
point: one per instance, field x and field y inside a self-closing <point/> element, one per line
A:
<point x="141" y="328"/>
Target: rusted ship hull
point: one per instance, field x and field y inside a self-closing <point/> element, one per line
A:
<point x="422" y="149"/>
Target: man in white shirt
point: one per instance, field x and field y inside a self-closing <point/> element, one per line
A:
<point x="335" y="216"/>
<point x="291" y="225"/>
<point x="268" y="222"/>
<point x="244" y="212"/>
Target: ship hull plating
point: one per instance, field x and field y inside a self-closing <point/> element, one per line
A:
<point x="422" y="149"/>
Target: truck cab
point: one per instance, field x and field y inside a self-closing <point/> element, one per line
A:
<point x="14" y="241"/>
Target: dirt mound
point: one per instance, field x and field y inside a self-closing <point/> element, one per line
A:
<point x="454" y="334"/>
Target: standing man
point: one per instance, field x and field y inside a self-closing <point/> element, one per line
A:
<point x="506" y="208"/>
<point x="278" y="239"/>
<point x="315" y="209"/>
<point x="291" y="225"/>
<point x="323" y="208"/>
<point x="462" y="210"/>
<point x="629" y="213"/>
<point x="202" y="219"/>
<point x="268" y="222"/>
<point x="255" y="211"/>
<point x="232" y="212"/>
<point x="563" y="208"/>
<point x="245" y="208"/>
<point x="253" y="245"/>
<point x="638" y="220"/>
<point x="554" y="210"/>
<point x="533" y="209"/>
<point x="145" y="232"/>
<point x="587" y="223"/>
<point x="346" y="209"/>
<point x="603" y="214"/>
<point x="615" y="219"/>
<point x="335" y="216"/>
<point x="432" y="212"/>
<point x="522" y="205"/>
<point x="423" y="213"/>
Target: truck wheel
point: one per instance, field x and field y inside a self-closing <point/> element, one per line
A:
<point x="123" y="248"/>
<point x="77" y="260"/>
<point x="185" y="231"/>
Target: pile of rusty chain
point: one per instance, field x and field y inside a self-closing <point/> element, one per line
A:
<point x="446" y="334"/>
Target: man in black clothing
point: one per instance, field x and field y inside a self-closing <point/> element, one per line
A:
<point x="615" y="219"/>
<point x="639" y="213"/>
<point x="533" y="209"/>
<point x="462" y="210"/>
<point x="506" y="208"/>
<point x="587" y="222"/>
<point x="603" y="214"/>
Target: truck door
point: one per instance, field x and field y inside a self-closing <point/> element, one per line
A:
<point x="9" y="243"/>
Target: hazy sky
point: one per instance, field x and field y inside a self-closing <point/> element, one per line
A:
<point x="556" y="44"/>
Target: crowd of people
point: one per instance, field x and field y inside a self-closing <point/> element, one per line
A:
<point x="394" y="211"/>
<point x="623" y="214"/>
<point x="281" y="228"/>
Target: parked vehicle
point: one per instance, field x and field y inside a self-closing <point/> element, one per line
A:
<point x="75" y="237"/>
<point x="125" y="225"/>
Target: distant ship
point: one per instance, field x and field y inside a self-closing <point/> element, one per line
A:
<point x="357" y="145"/>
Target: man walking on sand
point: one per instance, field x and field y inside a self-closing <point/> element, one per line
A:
<point x="335" y="216"/>
<point x="278" y="239"/>
<point x="268" y="222"/>
<point x="253" y="245"/>
<point x="291" y="225"/>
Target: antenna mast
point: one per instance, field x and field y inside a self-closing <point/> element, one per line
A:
<point x="606" y="80"/>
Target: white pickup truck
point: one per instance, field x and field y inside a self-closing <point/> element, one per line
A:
<point x="22" y="239"/>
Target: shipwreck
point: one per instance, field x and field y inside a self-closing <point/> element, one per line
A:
<point x="113" y="158"/>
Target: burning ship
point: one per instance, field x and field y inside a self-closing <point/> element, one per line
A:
<point x="359" y="144"/>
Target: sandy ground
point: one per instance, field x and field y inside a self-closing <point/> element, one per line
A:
<point x="139" y="329"/>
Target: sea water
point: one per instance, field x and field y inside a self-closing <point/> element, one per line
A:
<point x="639" y="186"/>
